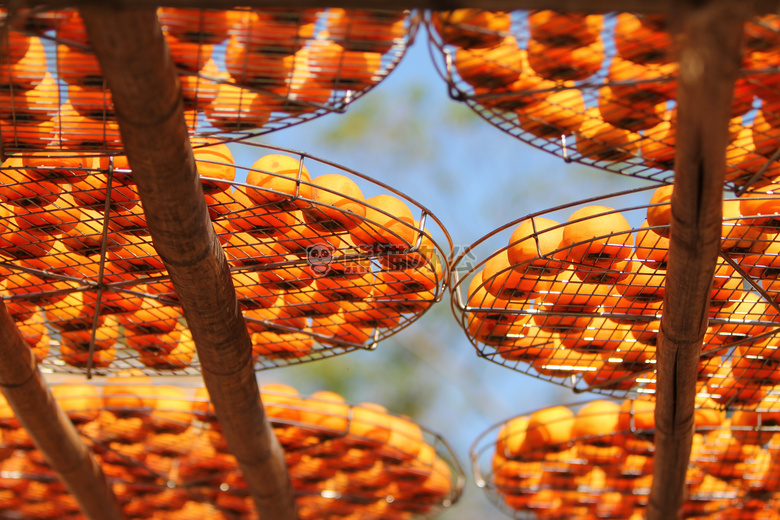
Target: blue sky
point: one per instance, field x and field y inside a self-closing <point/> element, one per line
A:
<point x="408" y="133"/>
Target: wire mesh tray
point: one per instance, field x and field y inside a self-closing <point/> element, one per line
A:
<point x="162" y="450"/>
<point x="243" y="72"/>
<point x="319" y="268"/>
<point x="574" y="295"/>
<point x="600" y="89"/>
<point x="595" y="460"/>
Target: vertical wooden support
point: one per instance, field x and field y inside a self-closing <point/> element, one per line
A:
<point x="50" y="429"/>
<point x="708" y="38"/>
<point x="147" y="98"/>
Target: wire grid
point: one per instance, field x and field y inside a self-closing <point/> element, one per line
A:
<point x="162" y="450"/>
<point x="600" y="89"/>
<point x="317" y="272"/>
<point x="574" y="295"/>
<point x="243" y="72"/>
<point x="596" y="459"/>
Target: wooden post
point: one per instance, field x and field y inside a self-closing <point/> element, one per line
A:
<point x="147" y="98"/>
<point x="50" y="429"/>
<point x="708" y="38"/>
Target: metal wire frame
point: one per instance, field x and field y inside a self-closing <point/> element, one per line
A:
<point x="81" y="272"/>
<point x="589" y="322"/>
<point x="179" y="451"/>
<point x="60" y="101"/>
<point x="590" y="103"/>
<point x="560" y="463"/>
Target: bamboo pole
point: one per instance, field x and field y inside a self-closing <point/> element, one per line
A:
<point x="138" y="69"/>
<point x="50" y="429"/>
<point x="708" y="38"/>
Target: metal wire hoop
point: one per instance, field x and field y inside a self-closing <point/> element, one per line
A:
<point x="81" y="270"/>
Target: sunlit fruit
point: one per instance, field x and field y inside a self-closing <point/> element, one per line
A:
<point x="388" y="226"/>
<point x="282" y="180"/>
<point x="81" y="402"/>
<point x="80" y="358"/>
<point x="191" y="56"/>
<point x="235" y="108"/>
<point x="597" y="237"/>
<point x="178" y="358"/>
<point x="604" y="141"/>
<point x="27" y="72"/>
<point x="338" y="203"/>
<point x="342" y="69"/>
<point x="643" y="283"/>
<point x="35" y="104"/>
<point x="76" y="130"/>
<point x="257" y="69"/>
<point x="492" y="67"/>
<point x="505" y="282"/>
<point x="335" y="330"/>
<point x="549" y="428"/>
<point x="565" y="63"/>
<point x="596" y="420"/>
<point x="565" y="29"/>
<point x="269" y="32"/>
<point x="198" y="90"/>
<point x="639" y="40"/>
<point x="214" y="162"/>
<point x="153" y="318"/>
<point x="469" y="28"/>
<point x="561" y="112"/>
<point x="20" y="189"/>
<point x="366" y="30"/>
<point x="535" y="246"/>
<point x="196" y="25"/>
<point x="281" y="345"/>
<point x="629" y="114"/>
<point x="129" y="394"/>
<point x="172" y="412"/>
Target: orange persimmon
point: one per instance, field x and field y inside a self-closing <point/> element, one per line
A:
<point x="535" y="246"/>
<point x="197" y="25"/>
<point x="601" y="140"/>
<point x="565" y="63"/>
<point x="492" y="67"/>
<point x="597" y="237"/>
<point x="338" y="205"/>
<point x="565" y="29"/>
<point x="471" y="28"/>
<point x="366" y="30"/>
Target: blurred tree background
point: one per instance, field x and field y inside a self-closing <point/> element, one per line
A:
<point x="409" y="134"/>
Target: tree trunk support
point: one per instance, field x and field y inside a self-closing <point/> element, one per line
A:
<point x="708" y="37"/>
<point x="50" y="429"/>
<point x="147" y="98"/>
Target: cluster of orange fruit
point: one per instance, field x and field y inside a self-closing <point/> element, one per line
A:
<point x="585" y="297"/>
<point x="378" y="265"/>
<point x="162" y="450"/>
<point x="549" y="83"/>
<point x="598" y="462"/>
<point x="275" y="62"/>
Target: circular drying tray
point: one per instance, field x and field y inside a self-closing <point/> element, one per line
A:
<point x="243" y="72"/>
<point x="600" y="89"/>
<point x="162" y="450"/>
<point x="595" y="460"/>
<point x="574" y="295"/>
<point x="319" y="268"/>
